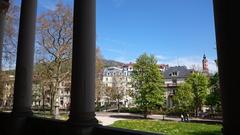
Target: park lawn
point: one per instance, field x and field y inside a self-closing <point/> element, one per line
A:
<point x="169" y="127"/>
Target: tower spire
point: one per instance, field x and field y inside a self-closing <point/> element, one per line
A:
<point x="205" y="64"/>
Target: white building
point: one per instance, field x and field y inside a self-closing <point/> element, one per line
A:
<point x="173" y="77"/>
<point x="119" y="77"/>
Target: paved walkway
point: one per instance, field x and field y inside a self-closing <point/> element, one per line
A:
<point x="107" y="118"/>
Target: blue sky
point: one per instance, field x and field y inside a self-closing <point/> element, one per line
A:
<point x="177" y="32"/>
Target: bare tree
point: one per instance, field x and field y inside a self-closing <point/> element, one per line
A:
<point x="99" y="85"/>
<point x="43" y="81"/>
<point x="115" y="92"/>
<point x="9" y="18"/>
<point x="11" y="34"/>
<point x="55" y="44"/>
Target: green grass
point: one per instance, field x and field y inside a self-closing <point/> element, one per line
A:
<point x="169" y="127"/>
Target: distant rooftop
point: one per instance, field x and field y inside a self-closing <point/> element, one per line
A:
<point x="177" y="72"/>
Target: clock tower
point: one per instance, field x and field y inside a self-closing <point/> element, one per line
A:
<point x="205" y="64"/>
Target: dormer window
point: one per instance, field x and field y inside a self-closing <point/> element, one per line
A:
<point x="175" y="73"/>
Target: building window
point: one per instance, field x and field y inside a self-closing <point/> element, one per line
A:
<point x="61" y="101"/>
<point x="175" y="73"/>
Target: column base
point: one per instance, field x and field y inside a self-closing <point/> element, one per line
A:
<point x="78" y="130"/>
<point x="83" y="123"/>
<point x="17" y="125"/>
<point x="81" y="126"/>
<point x="27" y="113"/>
<point x="83" y="118"/>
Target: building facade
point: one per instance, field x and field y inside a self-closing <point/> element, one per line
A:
<point x="7" y="85"/>
<point x="173" y="77"/>
<point x="112" y="77"/>
<point x="120" y="78"/>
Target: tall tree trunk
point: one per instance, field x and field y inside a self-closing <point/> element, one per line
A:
<point x="196" y="111"/>
<point x="51" y="104"/>
<point x="212" y="115"/>
<point x="43" y="99"/>
<point x="145" y="112"/>
<point x="118" y="105"/>
<point x="97" y="105"/>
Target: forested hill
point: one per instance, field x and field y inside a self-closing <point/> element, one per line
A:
<point x="112" y="63"/>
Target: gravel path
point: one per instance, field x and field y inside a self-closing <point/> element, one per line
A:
<point x="107" y="119"/>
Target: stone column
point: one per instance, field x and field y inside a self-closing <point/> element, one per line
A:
<point x="228" y="56"/>
<point x="82" y="109"/>
<point x="25" y="54"/>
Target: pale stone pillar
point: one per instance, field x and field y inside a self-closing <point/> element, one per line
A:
<point x="25" y="54"/>
<point x="82" y="110"/>
<point x="228" y="55"/>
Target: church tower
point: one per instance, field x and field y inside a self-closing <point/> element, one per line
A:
<point x="205" y="64"/>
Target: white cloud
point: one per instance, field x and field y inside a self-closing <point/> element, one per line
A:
<point x="212" y="66"/>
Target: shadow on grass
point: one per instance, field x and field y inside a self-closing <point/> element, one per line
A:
<point x="210" y="122"/>
<point x="206" y="133"/>
<point x="130" y="117"/>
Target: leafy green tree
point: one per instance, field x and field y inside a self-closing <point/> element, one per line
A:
<point x="148" y="83"/>
<point x="183" y="99"/>
<point x="199" y="85"/>
<point x="214" y="98"/>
